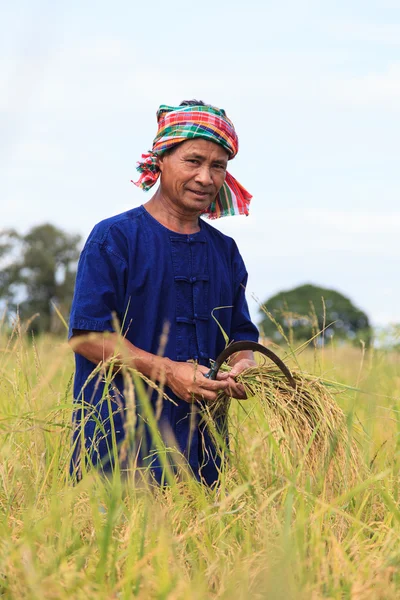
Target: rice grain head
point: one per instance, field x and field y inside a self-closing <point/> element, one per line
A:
<point x="308" y="426"/>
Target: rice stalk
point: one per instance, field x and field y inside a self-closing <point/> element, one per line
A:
<point x="308" y="426"/>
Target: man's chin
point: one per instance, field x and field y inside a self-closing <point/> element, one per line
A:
<point x="197" y="202"/>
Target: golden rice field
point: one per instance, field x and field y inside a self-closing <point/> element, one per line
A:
<point x="276" y="528"/>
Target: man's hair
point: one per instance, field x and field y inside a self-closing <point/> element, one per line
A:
<point x="193" y="103"/>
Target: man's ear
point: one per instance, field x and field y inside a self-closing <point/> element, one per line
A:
<point x="160" y="162"/>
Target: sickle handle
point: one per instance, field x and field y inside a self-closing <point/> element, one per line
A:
<point x="255" y="347"/>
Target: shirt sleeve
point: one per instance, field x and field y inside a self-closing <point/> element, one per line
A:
<point x="99" y="289"/>
<point x="242" y="326"/>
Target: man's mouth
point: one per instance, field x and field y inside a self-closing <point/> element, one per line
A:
<point x="200" y="194"/>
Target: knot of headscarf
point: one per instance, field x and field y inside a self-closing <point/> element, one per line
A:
<point x="178" y="124"/>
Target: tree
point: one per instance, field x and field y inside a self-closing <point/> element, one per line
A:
<point x="37" y="270"/>
<point x="304" y="311"/>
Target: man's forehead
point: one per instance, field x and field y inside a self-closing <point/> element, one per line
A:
<point x="204" y="148"/>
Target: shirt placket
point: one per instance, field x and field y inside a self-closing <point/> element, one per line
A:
<point x="191" y="278"/>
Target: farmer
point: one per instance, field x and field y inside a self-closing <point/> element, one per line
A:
<point x="155" y="267"/>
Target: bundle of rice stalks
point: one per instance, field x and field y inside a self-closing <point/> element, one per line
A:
<point x="308" y="426"/>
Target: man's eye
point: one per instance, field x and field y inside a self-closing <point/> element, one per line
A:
<point x="193" y="160"/>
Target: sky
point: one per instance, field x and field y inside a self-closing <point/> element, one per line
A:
<point x="312" y="87"/>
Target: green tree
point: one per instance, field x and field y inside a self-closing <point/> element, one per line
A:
<point x="304" y="311"/>
<point x="37" y="270"/>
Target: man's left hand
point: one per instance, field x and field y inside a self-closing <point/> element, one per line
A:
<point x="235" y="389"/>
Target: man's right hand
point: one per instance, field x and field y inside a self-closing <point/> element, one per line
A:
<point x="187" y="381"/>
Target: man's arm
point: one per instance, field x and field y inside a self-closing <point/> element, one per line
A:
<point x="186" y="380"/>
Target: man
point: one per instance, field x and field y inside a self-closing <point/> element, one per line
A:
<point x="158" y="265"/>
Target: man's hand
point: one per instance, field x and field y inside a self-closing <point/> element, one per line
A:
<point x="187" y="381"/>
<point x="235" y="389"/>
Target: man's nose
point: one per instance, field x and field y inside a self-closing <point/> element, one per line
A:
<point x="203" y="175"/>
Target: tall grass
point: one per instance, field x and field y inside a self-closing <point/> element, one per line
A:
<point x="268" y="532"/>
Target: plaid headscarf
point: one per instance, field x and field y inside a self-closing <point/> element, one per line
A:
<point x="177" y="124"/>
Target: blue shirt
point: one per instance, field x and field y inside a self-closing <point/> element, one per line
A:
<point x="149" y="276"/>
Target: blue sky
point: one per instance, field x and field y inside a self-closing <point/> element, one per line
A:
<point x="312" y="87"/>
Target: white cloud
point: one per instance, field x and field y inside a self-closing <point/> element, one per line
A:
<point x="109" y="75"/>
<point x="376" y="33"/>
<point x="356" y="222"/>
<point x="32" y="152"/>
<point x="379" y="90"/>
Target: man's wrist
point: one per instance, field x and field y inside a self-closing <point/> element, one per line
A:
<point x="165" y="369"/>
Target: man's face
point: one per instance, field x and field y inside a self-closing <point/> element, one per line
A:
<point x="192" y="174"/>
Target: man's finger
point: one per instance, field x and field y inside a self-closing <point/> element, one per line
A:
<point x="238" y="368"/>
<point x="210" y="384"/>
<point x="238" y="392"/>
<point x="235" y="389"/>
<point x="207" y="396"/>
<point x="223" y="376"/>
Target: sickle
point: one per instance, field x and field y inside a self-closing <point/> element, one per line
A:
<point x="255" y="347"/>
